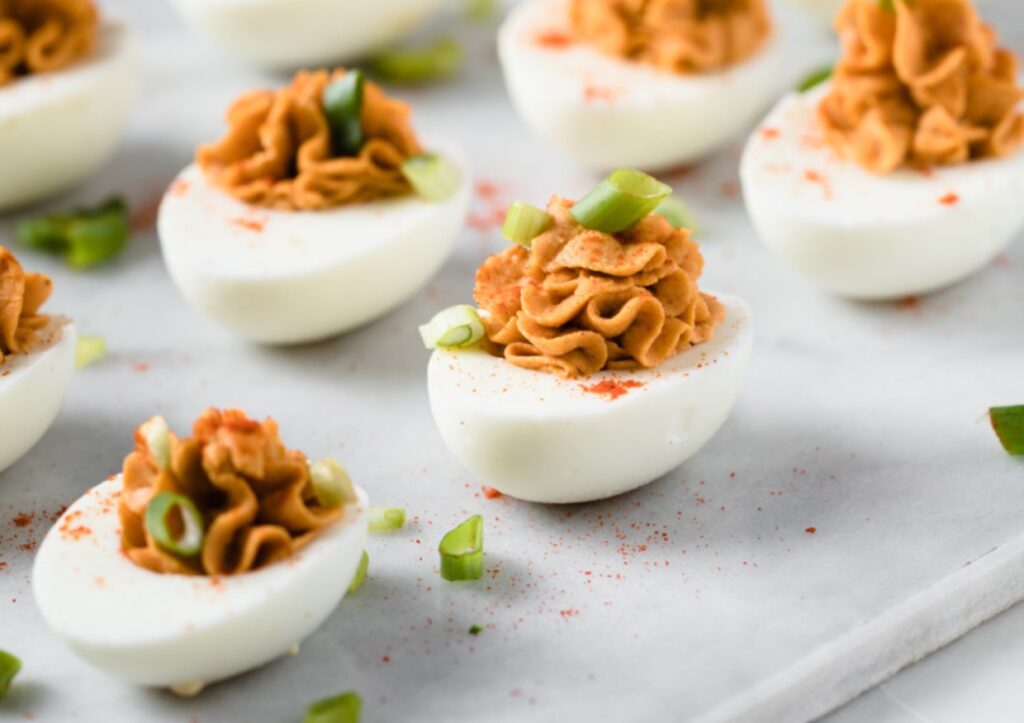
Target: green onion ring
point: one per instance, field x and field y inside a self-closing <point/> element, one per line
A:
<point x="157" y="511"/>
<point x="524" y="223"/>
<point x="344" y="708"/>
<point x="1008" y="423"/>
<point x="331" y="483"/>
<point x="462" y="551"/>
<point x="677" y="213"/>
<point x="360" y="576"/>
<point x="85" y="237"/>
<point x="442" y="59"/>
<point x="157" y="436"/>
<point x="431" y="176"/>
<point x="457" y="327"/>
<point x="815" y="78"/>
<point x="386" y="519"/>
<point x="9" y="667"/>
<point x="619" y="201"/>
<point x="89" y="350"/>
<point x="343" y="106"/>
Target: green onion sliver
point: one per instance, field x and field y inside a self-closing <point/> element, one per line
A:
<point x="476" y="629"/>
<point x="620" y="200"/>
<point x="175" y="524"/>
<point x="9" y="667"/>
<point x="524" y="223"/>
<point x="157" y="436"/>
<point x="441" y="59"/>
<point x="343" y="106"/>
<point x="344" y="708"/>
<point x="85" y="237"/>
<point x="462" y="551"/>
<point x="677" y="213"/>
<point x="480" y="11"/>
<point x="89" y="350"/>
<point x="331" y="483"/>
<point x="357" y="579"/>
<point x="815" y="78"/>
<point x="431" y="176"/>
<point x="386" y="519"/>
<point x="1009" y="425"/>
<point x="457" y="327"/>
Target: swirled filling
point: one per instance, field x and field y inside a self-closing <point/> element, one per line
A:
<point x="254" y="495"/>
<point x="278" y="151"/>
<point x="21" y="296"/>
<point x="579" y="301"/>
<point x="921" y="83"/>
<point x="680" y="36"/>
<point x="40" y="36"/>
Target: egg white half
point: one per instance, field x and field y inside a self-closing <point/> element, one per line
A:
<point x="32" y="387"/>
<point x="286" y="277"/>
<point x="870" y="236"/>
<point x="289" y="34"/>
<point x="176" y="630"/>
<point x="57" y="128"/>
<point x="541" y="438"/>
<point x="605" y="112"/>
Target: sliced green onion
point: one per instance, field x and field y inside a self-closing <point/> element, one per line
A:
<point x="85" y="237"/>
<point x="457" y="327"/>
<point x="462" y="551"/>
<point x="431" y="176"/>
<point x="1008" y="422"/>
<point x="887" y="4"/>
<point x="480" y="11"/>
<point x="89" y="350"/>
<point x="343" y="106"/>
<point x="9" y="667"/>
<point x="476" y="629"/>
<point x="439" y="60"/>
<point x="331" y="483"/>
<point x="158" y="440"/>
<point x="357" y="579"/>
<point x="815" y="78"/>
<point x="344" y="708"/>
<point x="620" y="200"/>
<point x="386" y="519"/>
<point x="677" y="213"/>
<point x="524" y="223"/>
<point x="181" y="534"/>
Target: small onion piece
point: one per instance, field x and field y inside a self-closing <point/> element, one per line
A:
<point x="677" y="213"/>
<point x="815" y="78"/>
<point x="89" y="350"/>
<point x="524" y="223"/>
<point x="457" y="327"/>
<point x="476" y="629"/>
<point x="157" y="436"/>
<point x="386" y="519"/>
<point x="9" y="667"/>
<point x="344" y="708"/>
<point x="431" y="176"/>
<point x="189" y="541"/>
<point x="462" y="551"/>
<point x="85" y="237"/>
<point x="360" y="576"/>
<point x="343" y="106"/>
<point x="440" y="60"/>
<point x="620" y="200"/>
<point x="1008" y="423"/>
<point x="331" y="483"/>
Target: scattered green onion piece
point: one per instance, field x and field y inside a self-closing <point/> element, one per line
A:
<point x="89" y="350"/>
<point x="431" y="176"/>
<point x="887" y="4"/>
<point x="344" y="708"/>
<point x="331" y="483"/>
<point x="457" y="327"/>
<point x="437" y="61"/>
<point x="357" y="579"/>
<point x="190" y="540"/>
<point x="815" y="78"/>
<point x="158" y="439"/>
<point x="9" y="667"/>
<point x="524" y="223"/>
<point x="343" y="106"/>
<point x="620" y="200"/>
<point x="386" y="519"/>
<point x="462" y="551"/>
<point x="1008" y="422"/>
<point x="85" y="237"/>
<point x="677" y="213"/>
<point x="476" y="629"/>
<point x="480" y="11"/>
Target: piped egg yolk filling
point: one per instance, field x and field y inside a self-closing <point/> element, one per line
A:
<point x="254" y="495"/>
<point x="579" y="301"/>
<point x="277" y="152"/>
<point x="21" y="296"/>
<point x="921" y="83"/>
<point x="40" y="36"/>
<point x="679" y="36"/>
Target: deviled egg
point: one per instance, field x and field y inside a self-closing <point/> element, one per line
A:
<point x="207" y="557"/>
<point x="595" y="364"/>
<point x="903" y="174"/>
<point x="652" y="85"/>
<point x="67" y="83"/>
<point x="37" y="356"/>
<point x="318" y="211"/>
<point x="289" y="34"/>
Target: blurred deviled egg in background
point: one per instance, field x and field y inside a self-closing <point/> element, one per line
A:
<point x="67" y="82"/>
<point x="317" y="211"/>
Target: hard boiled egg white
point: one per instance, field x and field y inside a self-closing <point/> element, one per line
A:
<point x="541" y="438"/>
<point x="606" y="112"/>
<point x="32" y="387"/>
<point x="288" y="276"/>
<point x="823" y="11"/>
<point x="57" y="128"/>
<point x="870" y="236"/>
<point x="288" y="34"/>
<point x="181" y="630"/>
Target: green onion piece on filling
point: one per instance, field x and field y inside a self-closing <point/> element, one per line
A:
<point x="524" y="223"/>
<point x="1009" y="425"/>
<point x="89" y="350"/>
<point x="175" y="524"/>
<point x="462" y="551"/>
<point x="887" y="4"/>
<point x="357" y="579"/>
<point x="620" y="200"/>
<point x="9" y="667"/>
<point x="457" y="327"/>
<point x="344" y="708"/>
<point x="157" y="435"/>
<point x="439" y="60"/>
<point x="343" y="106"/>
<point x="815" y="78"/>
<point x="386" y="519"/>
<point x="85" y="237"/>
<point x="677" y="213"/>
<point x="331" y="483"/>
<point x="431" y="176"/>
